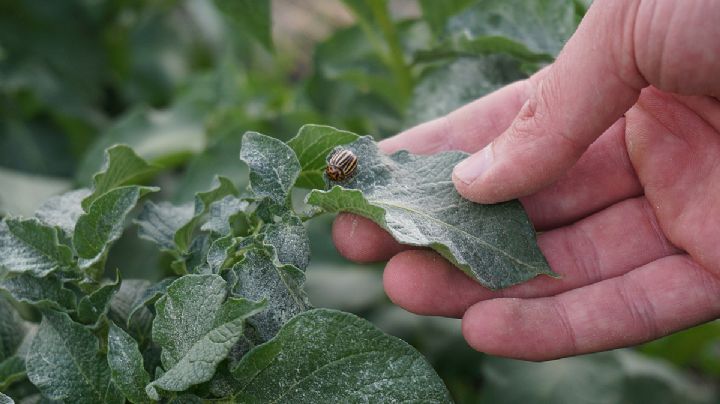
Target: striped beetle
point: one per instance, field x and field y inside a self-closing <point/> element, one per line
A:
<point x="341" y="164"/>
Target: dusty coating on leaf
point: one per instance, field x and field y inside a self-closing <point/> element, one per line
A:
<point x="221" y="213"/>
<point x="413" y="197"/>
<point x="103" y="223"/>
<point x="159" y="222"/>
<point x="63" y="210"/>
<point x="26" y="245"/>
<point x="199" y="363"/>
<point x="186" y="313"/>
<point x="126" y="365"/>
<point x="273" y="166"/>
<point x="63" y="347"/>
<point x="290" y="240"/>
<point x="258" y="278"/>
<point x="330" y="356"/>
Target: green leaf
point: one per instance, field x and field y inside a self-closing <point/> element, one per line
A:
<point x="186" y="313"/>
<point x="218" y="159"/>
<point x="221" y="188"/>
<point x="452" y="85"/>
<point x="311" y="145"/>
<point x="13" y="345"/>
<point x="619" y="376"/>
<point x="126" y="365"/>
<point x="226" y="216"/>
<point x="12" y="370"/>
<point x="63" y="210"/>
<point x="129" y="297"/>
<point x="65" y="364"/>
<point x="414" y="199"/>
<point x="28" y="246"/>
<point x="220" y="252"/>
<point x="330" y="356"/>
<point x="198" y="364"/>
<point x="5" y="399"/>
<point x="149" y="296"/>
<point x="103" y="223"/>
<point x="47" y="291"/>
<point x="274" y="168"/>
<point x="259" y="277"/>
<point x="122" y="167"/>
<point x="160" y="222"/>
<point x="290" y="240"/>
<point x="158" y="136"/>
<point x="95" y="305"/>
<point x="251" y="16"/>
<point x="542" y="26"/>
<point x="11" y="330"/>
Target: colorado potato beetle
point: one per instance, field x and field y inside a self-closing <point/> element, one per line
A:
<point x="341" y="165"/>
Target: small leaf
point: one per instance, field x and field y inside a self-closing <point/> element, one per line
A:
<point x="12" y="370"/>
<point x="414" y="199"/>
<point x="123" y="303"/>
<point x="325" y="356"/>
<point x="103" y="223"/>
<point x="26" y="245"/>
<point x="95" y="305"/>
<point x="311" y="145"/>
<point x="65" y="364"/>
<point x="220" y="253"/>
<point x="46" y="292"/>
<point x="222" y="187"/>
<point x="290" y="240"/>
<point x="160" y="222"/>
<point x="198" y="364"/>
<point x="148" y="297"/>
<point x="159" y="136"/>
<point x="63" y="210"/>
<point x="251" y="16"/>
<point x="126" y="365"/>
<point x="226" y="216"/>
<point x="274" y="168"/>
<point x="186" y="313"/>
<point x="260" y="278"/>
<point x="11" y="330"/>
<point x="122" y="167"/>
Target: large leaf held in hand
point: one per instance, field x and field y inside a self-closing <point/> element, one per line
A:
<point x="413" y="198"/>
<point x="327" y="356"/>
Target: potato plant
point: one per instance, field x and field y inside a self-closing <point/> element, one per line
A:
<point x="155" y="246"/>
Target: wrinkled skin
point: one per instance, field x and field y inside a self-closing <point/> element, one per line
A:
<point x="614" y="150"/>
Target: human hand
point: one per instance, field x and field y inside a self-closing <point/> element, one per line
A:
<point x="614" y="150"/>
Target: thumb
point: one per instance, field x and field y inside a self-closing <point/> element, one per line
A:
<point x="591" y="84"/>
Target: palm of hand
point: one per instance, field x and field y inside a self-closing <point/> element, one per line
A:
<point x="632" y="228"/>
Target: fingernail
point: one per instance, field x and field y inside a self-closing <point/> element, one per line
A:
<point x="474" y="166"/>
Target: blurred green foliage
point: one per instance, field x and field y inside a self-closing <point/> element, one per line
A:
<point x="181" y="80"/>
